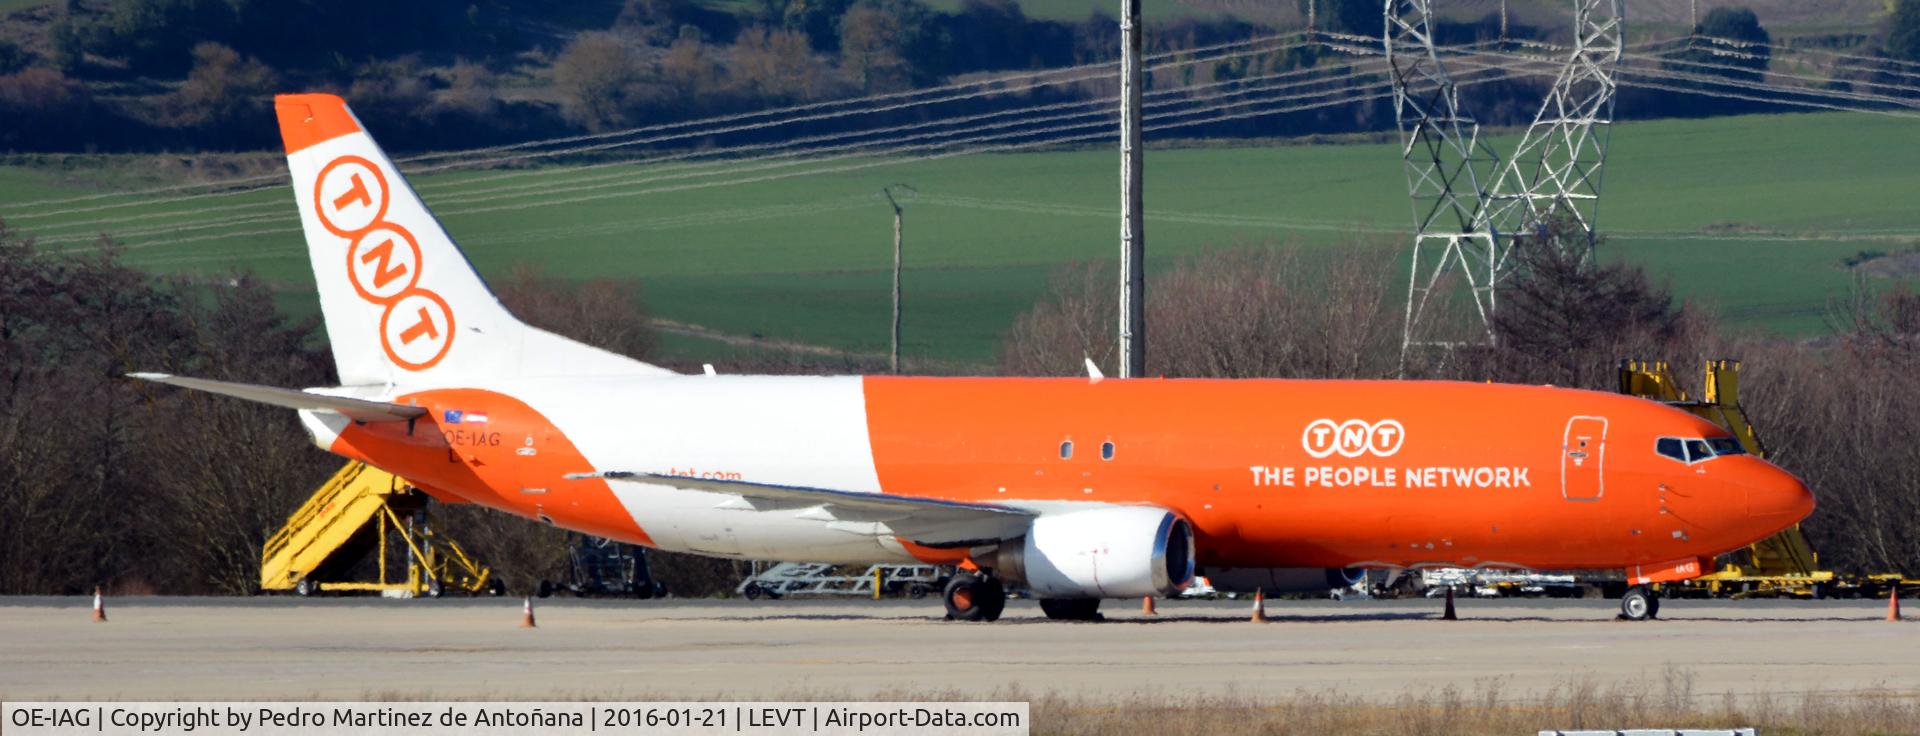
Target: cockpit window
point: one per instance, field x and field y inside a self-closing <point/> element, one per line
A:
<point x="1670" y="447"/>
<point x="1698" y="450"/>
<point x="1692" y="450"/>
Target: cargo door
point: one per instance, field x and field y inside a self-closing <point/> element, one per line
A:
<point x="1583" y="452"/>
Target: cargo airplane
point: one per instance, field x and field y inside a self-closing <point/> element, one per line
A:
<point x="1078" y="489"/>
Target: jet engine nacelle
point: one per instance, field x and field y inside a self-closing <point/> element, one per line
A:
<point x="1283" y="579"/>
<point x="1111" y="552"/>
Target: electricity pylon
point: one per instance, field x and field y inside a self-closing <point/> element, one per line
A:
<point x="1555" y="169"/>
<point x="1471" y="207"/>
<point x="1448" y="169"/>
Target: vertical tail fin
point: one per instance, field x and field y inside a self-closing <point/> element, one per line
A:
<point x="402" y="303"/>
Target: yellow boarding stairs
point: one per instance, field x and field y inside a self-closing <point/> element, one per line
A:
<point x="1783" y="564"/>
<point x="363" y="510"/>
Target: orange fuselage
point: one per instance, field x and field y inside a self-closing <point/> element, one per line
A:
<point x="1271" y="473"/>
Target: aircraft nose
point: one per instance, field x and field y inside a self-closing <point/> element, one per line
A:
<point x="1778" y="494"/>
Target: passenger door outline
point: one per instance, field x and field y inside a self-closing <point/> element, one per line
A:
<point x="1583" y="453"/>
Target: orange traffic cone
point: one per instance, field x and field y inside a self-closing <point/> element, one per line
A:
<point x="1449" y="615"/>
<point x="1893" y="604"/>
<point x="1259" y="606"/>
<point x="99" y="607"/>
<point x="526" y="615"/>
<point x="1146" y="607"/>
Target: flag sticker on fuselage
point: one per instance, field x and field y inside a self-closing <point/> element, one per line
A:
<point x="462" y="416"/>
<point x="1356" y="438"/>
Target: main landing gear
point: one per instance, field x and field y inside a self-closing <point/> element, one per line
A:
<point x="1640" y="603"/>
<point x="974" y="596"/>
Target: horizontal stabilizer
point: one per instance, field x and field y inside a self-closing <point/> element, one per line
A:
<point x="928" y="521"/>
<point x="356" y="409"/>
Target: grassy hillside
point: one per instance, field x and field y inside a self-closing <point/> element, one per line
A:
<point x="22" y="184"/>
<point x="1749" y="216"/>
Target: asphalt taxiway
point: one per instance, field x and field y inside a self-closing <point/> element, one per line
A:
<point x="286" y="648"/>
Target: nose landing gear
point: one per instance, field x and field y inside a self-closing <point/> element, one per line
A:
<point x="974" y="596"/>
<point x="1640" y="603"/>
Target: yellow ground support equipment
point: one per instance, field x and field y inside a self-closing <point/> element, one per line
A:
<point x="1780" y="565"/>
<point x="363" y="510"/>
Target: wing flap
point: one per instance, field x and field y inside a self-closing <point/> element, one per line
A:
<point x="927" y="521"/>
<point x="356" y="409"/>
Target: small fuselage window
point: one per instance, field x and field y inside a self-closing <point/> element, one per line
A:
<point x="1106" y="451"/>
<point x="1066" y="450"/>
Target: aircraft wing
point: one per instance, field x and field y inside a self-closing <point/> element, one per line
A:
<point x="925" y="521"/>
<point x="356" y="409"/>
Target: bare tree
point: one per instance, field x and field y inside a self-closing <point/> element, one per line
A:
<point x="1273" y="312"/>
<point x="606" y="313"/>
<point x="602" y="80"/>
<point x="777" y="65"/>
<point x="223" y="87"/>
<point x="1565" y="320"/>
<point x="872" y="49"/>
<point x="221" y="511"/>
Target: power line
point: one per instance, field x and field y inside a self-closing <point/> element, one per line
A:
<point x="736" y="117"/>
<point x="1786" y="75"/>
<point x="883" y="96"/>
<point x="1003" y="147"/>
<point x="1756" y="98"/>
<point x="1356" y="71"/>
<point x="1182" y="62"/>
<point x="1736" y="43"/>
<point x="1778" y="90"/>
<point x="1244" y="86"/>
<point x="1352" y="72"/>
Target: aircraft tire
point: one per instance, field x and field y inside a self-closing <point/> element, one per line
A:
<point x="971" y="596"/>
<point x="1639" y="603"/>
<point x="996" y="597"/>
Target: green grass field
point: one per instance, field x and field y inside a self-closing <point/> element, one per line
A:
<point x="1749" y="217"/>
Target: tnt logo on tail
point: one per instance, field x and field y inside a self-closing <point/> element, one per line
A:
<point x="388" y="273"/>
<point x="384" y="261"/>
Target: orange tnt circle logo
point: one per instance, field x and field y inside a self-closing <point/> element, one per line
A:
<point x="384" y="262"/>
<point x="417" y="329"/>
<point x="1353" y="438"/>
<point x="350" y="196"/>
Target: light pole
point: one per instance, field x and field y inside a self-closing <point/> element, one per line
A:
<point x="904" y="194"/>
<point x="1133" y="248"/>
